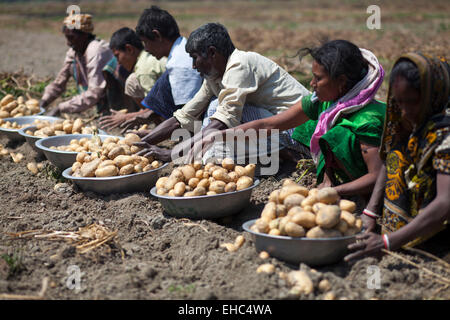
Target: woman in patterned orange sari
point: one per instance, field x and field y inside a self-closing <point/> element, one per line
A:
<point x="411" y="197"/>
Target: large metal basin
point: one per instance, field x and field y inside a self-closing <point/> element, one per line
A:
<point x="206" y="207"/>
<point x="135" y="182"/>
<point x="62" y="159"/>
<point x="313" y="252"/>
<point x="14" y="135"/>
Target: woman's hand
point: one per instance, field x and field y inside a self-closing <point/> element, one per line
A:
<point x="154" y="151"/>
<point x="367" y="244"/>
<point x="54" y="112"/>
<point x="368" y="223"/>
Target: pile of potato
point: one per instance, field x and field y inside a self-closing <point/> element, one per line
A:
<point x="194" y="179"/>
<point x="9" y="107"/>
<point x="296" y="211"/>
<point x="93" y="144"/>
<point x="46" y="129"/>
<point x="113" y="157"/>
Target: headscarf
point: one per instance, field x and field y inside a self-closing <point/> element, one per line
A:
<point x="82" y="22"/>
<point x="434" y="87"/>
<point x="355" y="99"/>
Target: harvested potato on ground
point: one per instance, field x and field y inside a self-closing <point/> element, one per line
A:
<point x="264" y="255"/>
<point x="301" y="281"/>
<point x="32" y="167"/>
<point x="266" y="268"/>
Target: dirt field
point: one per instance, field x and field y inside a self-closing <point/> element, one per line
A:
<point x="155" y="256"/>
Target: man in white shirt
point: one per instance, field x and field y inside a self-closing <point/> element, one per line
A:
<point x="239" y="87"/>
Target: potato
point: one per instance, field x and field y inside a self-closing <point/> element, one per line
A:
<point x="318" y="232"/>
<point x="6" y="99"/>
<point x="304" y="218"/>
<point x="261" y="226"/>
<point x="115" y="152"/>
<point x="217" y="186"/>
<point x="239" y="241"/>
<point x="327" y="195"/>
<point x="229" y="246"/>
<point x="266" y="268"/>
<point x="281" y="210"/>
<point x="199" y="174"/>
<point x="243" y="183"/>
<point x="147" y="168"/>
<point x="358" y="224"/>
<point x="208" y="166"/>
<point x="228" y="164"/>
<point x="211" y="193"/>
<point x="107" y="171"/>
<point x="318" y="206"/>
<point x="282" y="224"/>
<point x="179" y="189"/>
<point x="347" y="205"/>
<point x="4" y="114"/>
<point x="328" y="216"/>
<point x="308" y="208"/>
<point x="138" y="168"/>
<point x="348" y="218"/>
<point x="77" y="125"/>
<point x="80" y="156"/>
<point x="67" y="127"/>
<point x="274" y="196"/>
<point x="274" y="232"/>
<point x="230" y="187"/>
<point x="270" y="211"/>
<point x="163" y="192"/>
<point x="240" y="170"/>
<point x="273" y="224"/>
<point x="294" y="230"/>
<point x="156" y="164"/>
<point x="324" y="285"/>
<point x="313" y="192"/>
<point x="221" y="174"/>
<point x="160" y="183"/>
<point x="76" y="165"/>
<point x="233" y="176"/>
<point x="291" y="189"/>
<point x="188" y="172"/>
<point x="199" y="191"/>
<point x="342" y="226"/>
<point x="144" y="161"/>
<point x="250" y="170"/>
<point x="123" y="160"/>
<point x="170" y="183"/>
<point x="287" y="182"/>
<point x="300" y="281"/>
<point x="131" y="138"/>
<point x="197" y="165"/>
<point x="32" y="167"/>
<point x="88" y="168"/>
<point x="171" y="193"/>
<point x="293" y="200"/>
<point x="126" y="169"/>
<point x="310" y="200"/>
<point x="206" y="175"/>
<point x="193" y="182"/>
<point x="204" y="183"/>
<point x="177" y="174"/>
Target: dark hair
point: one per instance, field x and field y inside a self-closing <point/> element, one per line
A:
<point x="158" y="19"/>
<point x="210" y="34"/>
<point x="91" y="36"/>
<point x="125" y="36"/>
<point x="339" y="57"/>
<point x="408" y="70"/>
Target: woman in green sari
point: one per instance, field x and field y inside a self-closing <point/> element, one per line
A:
<point x="411" y="196"/>
<point x="340" y="122"/>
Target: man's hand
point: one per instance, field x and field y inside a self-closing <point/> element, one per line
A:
<point x="114" y="120"/>
<point x="367" y="244"/>
<point x="54" y="112"/>
<point x="200" y="147"/>
<point x="43" y="104"/>
<point x="154" y="151"/>
<point x="136" y="120"/>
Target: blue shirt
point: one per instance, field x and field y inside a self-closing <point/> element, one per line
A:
<point x="184" y="80"/>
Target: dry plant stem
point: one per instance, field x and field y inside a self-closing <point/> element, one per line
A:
<point x="40" y="296"/>
<point x="429" y="255"/>
<point x="429" y="272"/>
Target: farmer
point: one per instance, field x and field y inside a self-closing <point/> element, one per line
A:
<point x="345" y="133"/>
<point x="144" y="68"/>
<point x="177" y="85"/>
<point x="239" y="87"/>
<point x="84" y="61"/>
<point x="414" y="181"/>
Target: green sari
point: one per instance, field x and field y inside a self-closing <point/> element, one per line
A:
<point x="344" y="138"/>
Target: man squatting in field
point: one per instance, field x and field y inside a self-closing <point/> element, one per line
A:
<point x="239" y="86"/>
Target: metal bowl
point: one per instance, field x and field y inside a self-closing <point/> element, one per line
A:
<point x="33" y="139"/>
<point x="14" y="135"/>
<point x="119" y="184"/>
<point x="206" y="207"/>
<point x="62" y="159"/>
<point x="313" y="252"/>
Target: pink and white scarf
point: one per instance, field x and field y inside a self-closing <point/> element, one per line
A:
<point x="355" y="99"/>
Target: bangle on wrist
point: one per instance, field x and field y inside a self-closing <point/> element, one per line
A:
<point x="387" y="245"/>
<point x="370" y="213"/>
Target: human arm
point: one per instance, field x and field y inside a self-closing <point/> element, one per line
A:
<point x="428" y="220"/>
<point x="117" y="118"/>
